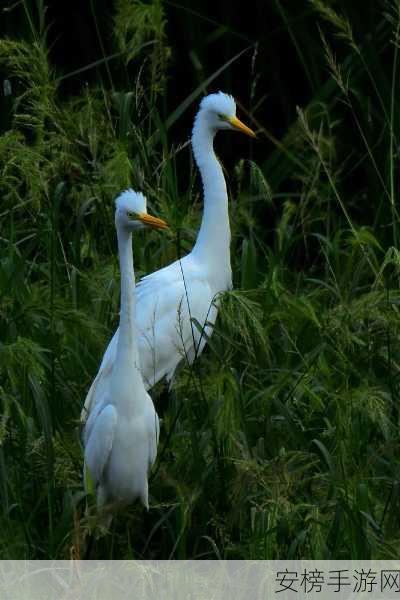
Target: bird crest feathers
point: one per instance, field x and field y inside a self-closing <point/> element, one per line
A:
<point x="220" y="103"/>
<point x="130" y="200"/>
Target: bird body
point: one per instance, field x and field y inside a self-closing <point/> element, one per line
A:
<point x="119" y="454"/>
<point x="177" y="306"/>
<point x="121" y="434"/>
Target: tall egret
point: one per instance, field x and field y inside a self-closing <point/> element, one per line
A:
<point x="121" y="435"/>
<point x="176" y="307"/>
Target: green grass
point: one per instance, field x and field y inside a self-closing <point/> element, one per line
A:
<point x="283" y="440"/>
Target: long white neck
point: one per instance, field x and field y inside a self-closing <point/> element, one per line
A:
<point x="213" y="240"/>
<point x="126" y="375"/>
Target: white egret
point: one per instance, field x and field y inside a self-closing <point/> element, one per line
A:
<point x="121" y="435"/>
<point x="176" y="307"/>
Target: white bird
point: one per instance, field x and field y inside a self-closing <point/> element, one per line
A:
<point x="176" y="306"/>
<point x="121" y="435"/>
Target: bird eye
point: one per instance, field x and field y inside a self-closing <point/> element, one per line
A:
<point x="221" y="116"/>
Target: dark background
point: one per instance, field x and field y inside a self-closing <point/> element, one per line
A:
<point x="283" y="67"/>
<point x="280" y="37"/>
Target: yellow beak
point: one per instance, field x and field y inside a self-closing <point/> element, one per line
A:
<point x="239" y="126"/>
<point x="151" y="221"/>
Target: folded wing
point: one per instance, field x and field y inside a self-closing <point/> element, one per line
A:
<point x="100" y="442"/>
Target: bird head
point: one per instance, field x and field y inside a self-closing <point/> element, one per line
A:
<point x="219" y="112"/>
<point x="131" y="212"/>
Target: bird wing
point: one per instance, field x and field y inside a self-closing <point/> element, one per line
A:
<point x="172" y="306"/>
<point x="101" y="382"/>
<point x="100" y="442"/>
<point x="154" y="434"/>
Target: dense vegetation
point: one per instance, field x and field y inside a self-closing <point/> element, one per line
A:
<point x="283" y="440"/>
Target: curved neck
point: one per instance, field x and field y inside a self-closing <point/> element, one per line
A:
<point x="213" y="240"/>
<point x="126" y="371"/>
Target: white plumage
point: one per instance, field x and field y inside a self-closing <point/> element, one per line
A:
<point x="121" y="433"/>
<point x="178" y="302"/>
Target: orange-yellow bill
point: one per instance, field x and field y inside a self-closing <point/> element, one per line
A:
<point x="237" y="124"/>
<point x="151" y="221"/>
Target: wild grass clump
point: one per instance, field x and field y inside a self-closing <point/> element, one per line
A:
<point x="282" y="440"/>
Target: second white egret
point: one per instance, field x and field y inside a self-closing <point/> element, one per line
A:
<point x="176" y="307"/>
<point x="121" y="434"/>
